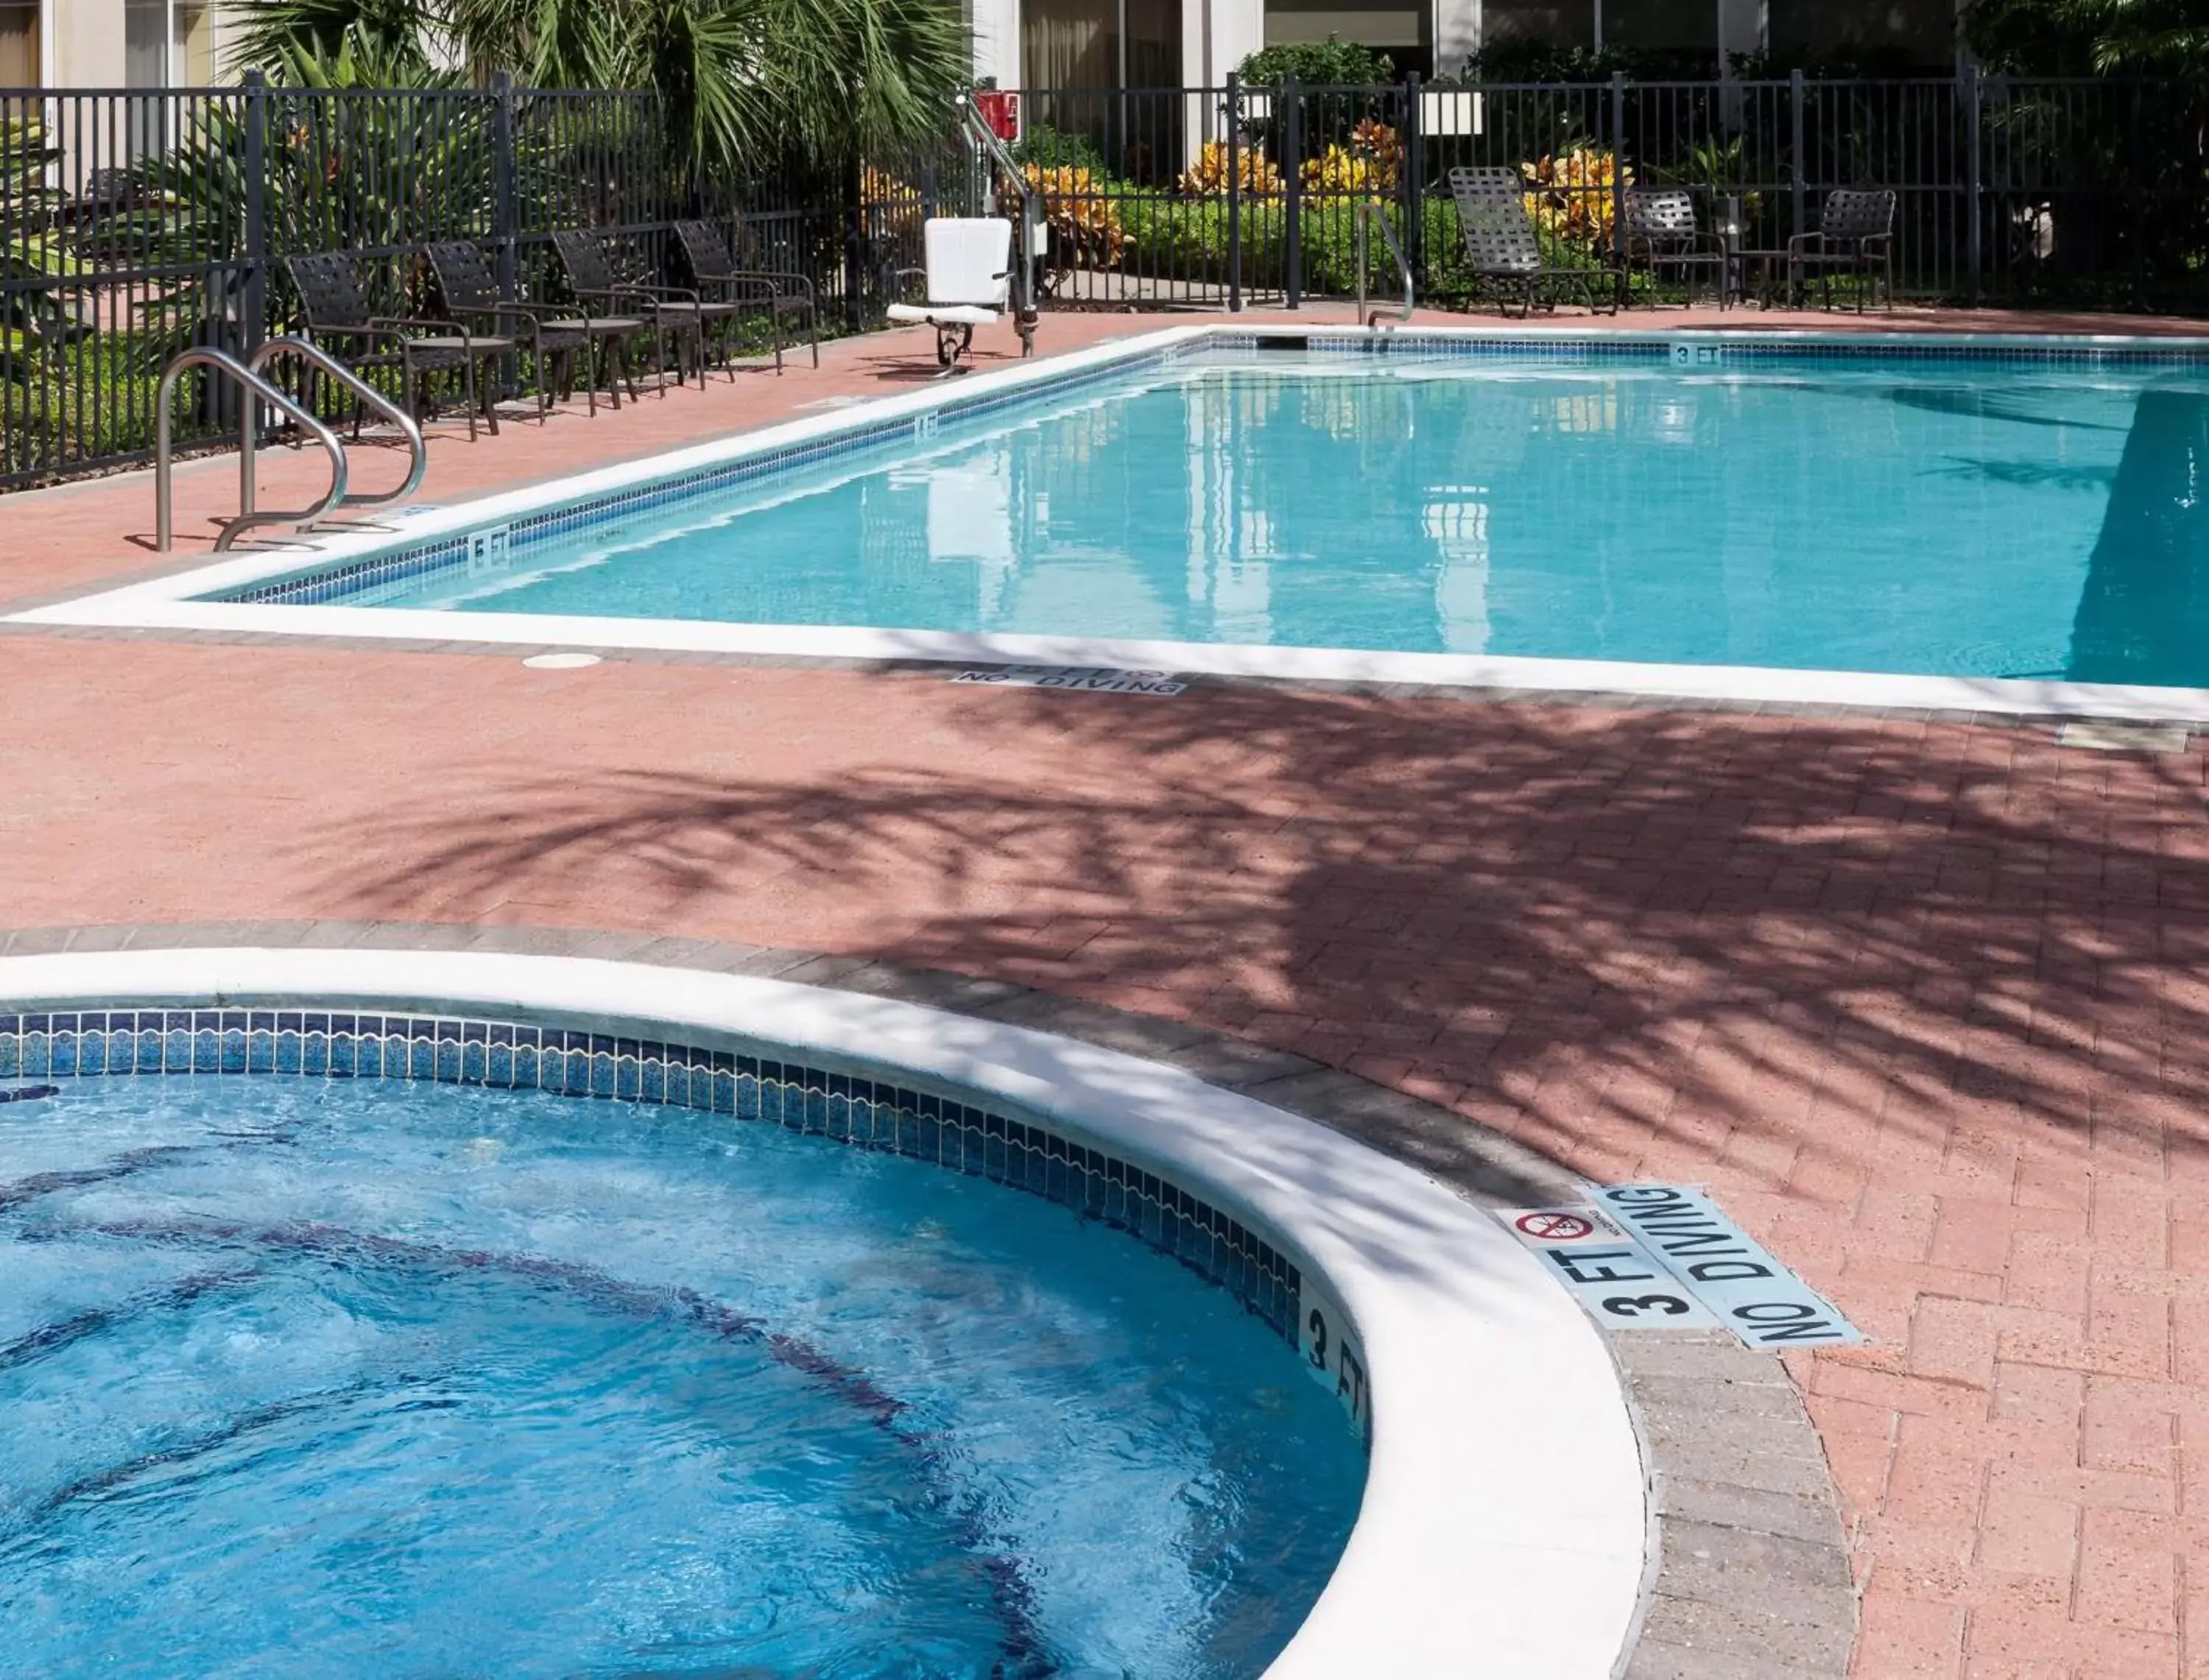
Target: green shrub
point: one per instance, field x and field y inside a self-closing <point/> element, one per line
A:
<point x="1333" y="63"/>
<point x="1047" y="148"/>
<point x="1187" y="239"/>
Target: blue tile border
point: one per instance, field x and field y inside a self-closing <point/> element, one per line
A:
<point x="379" y="571"/>
<point x="1656" y="346"/>
<point x="309" y="1043"/>
<point x="407" y="565"/>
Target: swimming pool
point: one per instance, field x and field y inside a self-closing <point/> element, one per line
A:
<point x="1951" y="518"/>
<point x="825" y="1334"/>
<point x="1985" y="523"/>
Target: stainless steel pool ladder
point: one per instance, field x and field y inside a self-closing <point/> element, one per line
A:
<point x="1369" y="213"/>
<point x="254" y="390"/>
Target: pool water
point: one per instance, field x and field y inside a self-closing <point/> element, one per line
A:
<point x="1942" y="517"/>
<point x="402" y="1380"/>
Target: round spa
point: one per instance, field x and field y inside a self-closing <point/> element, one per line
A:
<point x="383" y="1314"/>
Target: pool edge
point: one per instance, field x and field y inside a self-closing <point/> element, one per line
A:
<point x="176" y="601"/>
<point x="1533" y="1599"/>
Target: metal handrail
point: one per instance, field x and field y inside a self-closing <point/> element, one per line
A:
<point x="251" y="385"/>
<point x="1369" y="211"/>
<point x="290" y="345"/>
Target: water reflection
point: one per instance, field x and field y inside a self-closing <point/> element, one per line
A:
<point x="1979" y="521"/>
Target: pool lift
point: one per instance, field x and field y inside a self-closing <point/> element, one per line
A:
<point x="976" y="265"/>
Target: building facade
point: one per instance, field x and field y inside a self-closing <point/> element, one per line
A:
<point x="110" y="43"/>
<point x="1078" y="43"/>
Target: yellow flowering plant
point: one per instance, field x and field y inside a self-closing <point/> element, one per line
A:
<point x="1207" y="176"/>
<point x="1083" y="222"/>
<point x="1573" y="196"/>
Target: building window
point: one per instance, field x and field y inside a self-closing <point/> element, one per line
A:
<point x="192" y="44"/>
<point x="167" y="44"/>
<point x="1070" y="44"/>
<point x="18" y="44"/>
<point x="1387" y="26"/>
<point x="1661" y="26"/>
<point x="1553" y="22"/>
<point x="1098" y="44"/>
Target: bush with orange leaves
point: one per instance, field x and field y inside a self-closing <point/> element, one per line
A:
<point x="1371" y="163"/>
<point x="1574" y="197"/>
<point x="1207" y="176"/>
<point x="894" y="207"/>
<point x="1083" y="222"/>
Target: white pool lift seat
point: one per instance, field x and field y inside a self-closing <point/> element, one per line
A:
<point x="969" y="277"/>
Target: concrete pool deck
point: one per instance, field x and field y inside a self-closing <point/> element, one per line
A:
<point x="1920" y="1000"/>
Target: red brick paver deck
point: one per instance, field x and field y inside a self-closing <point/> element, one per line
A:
<point x="1926" y="1005"/>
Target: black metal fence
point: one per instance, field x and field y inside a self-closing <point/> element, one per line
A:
<point x="2086" y="192"/>
<point x="134" y="224"/>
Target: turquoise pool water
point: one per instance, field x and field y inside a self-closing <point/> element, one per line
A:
<point x="393" y="1380"/>
<point x="1947" y="517"/>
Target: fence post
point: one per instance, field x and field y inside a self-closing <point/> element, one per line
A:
<point x="1618" y="166"/>
<point x="1794" y="154"/>
<point x="254" y="326"/>
<point x="2138" y="173"/>
<point x="1289" y="99"/>
<point x="1974" y="187"/>
<point x="1234" y="193"/>
<point x="505" y="224"/>
<point x="1414" y="182"/>
<point x="855" y="248"/>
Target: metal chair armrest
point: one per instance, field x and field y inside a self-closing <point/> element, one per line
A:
<point x="1800" y="244"/>
<point x="371" y="330"/>
<point x="396" y="324"/>
<point x="781" y="277"/>
<point x="680" y="294"/>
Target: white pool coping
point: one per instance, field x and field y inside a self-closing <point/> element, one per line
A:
<point x="167" y="604"/>
<point x="1504" y="1521"/>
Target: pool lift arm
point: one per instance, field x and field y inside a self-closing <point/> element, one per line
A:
<point x="1031" y="231"/>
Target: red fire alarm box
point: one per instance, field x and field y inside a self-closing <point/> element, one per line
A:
<point x="1001" y="110"/>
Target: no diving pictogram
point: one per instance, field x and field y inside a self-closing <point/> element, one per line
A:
<point x="1552" y="1227"/>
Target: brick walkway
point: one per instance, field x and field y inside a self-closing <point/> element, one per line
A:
<point x="1924" y="1003"/>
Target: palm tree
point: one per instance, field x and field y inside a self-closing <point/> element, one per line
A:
<point x="2056" y="37"/>
<point x="741" y="80"/>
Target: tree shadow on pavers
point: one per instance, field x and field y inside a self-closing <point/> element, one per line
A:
<point x="1795" y="946"/>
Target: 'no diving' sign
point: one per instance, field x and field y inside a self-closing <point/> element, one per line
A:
<point x="1658" y="1257"/>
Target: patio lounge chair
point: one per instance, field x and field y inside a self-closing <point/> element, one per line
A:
<point x="670" y="308"/>
<point x="1501" y="247"/>
<point x="778" y="294"/>
<point x="331" y="305"/>
<point x="1855" y="236"/>
<point x="969" y="278"/>
<point x="470" y="292"/>
<point x="1661" y="234"/>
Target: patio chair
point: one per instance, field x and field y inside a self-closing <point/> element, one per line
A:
<point x="1855" y="236"/>
<point x="778" y="294"/>
<point x="470" y="293"/>
<point x="1503" y="251"/>
<point x="670" y="308"/>
<point x="1662" y="233"/>
<point x="331" y="305"/>
<point x="969" y="281"/>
